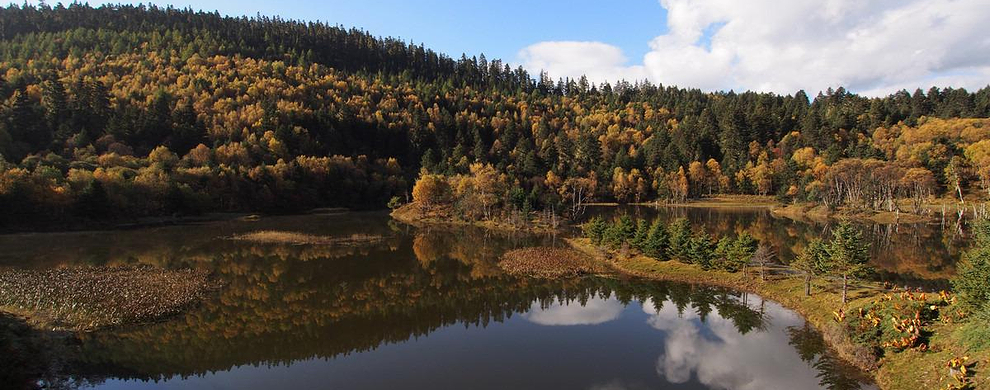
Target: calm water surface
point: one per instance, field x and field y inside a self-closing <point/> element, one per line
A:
<point x="918" y="254"/>
<point x="430" y="309"/>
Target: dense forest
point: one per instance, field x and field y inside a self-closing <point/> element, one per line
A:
<point x="130" y="111"/>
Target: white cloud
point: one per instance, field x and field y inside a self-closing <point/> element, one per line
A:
<point x="595" y="311"/>
<point x="872" y="47"/>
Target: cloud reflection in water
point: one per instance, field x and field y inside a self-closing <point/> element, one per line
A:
<point x="724" y="358"/>
<point x="596" y="311"/>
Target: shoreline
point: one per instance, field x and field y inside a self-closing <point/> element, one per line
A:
<point x="162" y="221"/>
<point x="908" y="369"/>
<point x="411" y="214"/>
<point x="809" y="212"/>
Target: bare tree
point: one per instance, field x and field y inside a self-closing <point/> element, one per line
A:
<point x="763" y="257"/>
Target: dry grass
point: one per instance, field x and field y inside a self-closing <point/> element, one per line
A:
<point x="550" y="263"/>
<point x="293" y="238"/>
<point x="87" y="298"/>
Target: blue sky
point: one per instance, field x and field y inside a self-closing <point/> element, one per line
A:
<point x="871" y="47"/>
<point x="498" y="29"/>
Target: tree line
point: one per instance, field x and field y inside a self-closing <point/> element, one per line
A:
<point x="845" y="256"/>
<point x="81" y="84"/>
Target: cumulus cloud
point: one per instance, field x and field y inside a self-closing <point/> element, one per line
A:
<point x="596" y="311"/>
<point x="871" y="47"/>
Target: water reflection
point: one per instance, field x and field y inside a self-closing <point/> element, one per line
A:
<point x="593" y="312"/>
<point x="915" y="253"/>
<point x="720" y="356"/>
<point x="430" y="309"/>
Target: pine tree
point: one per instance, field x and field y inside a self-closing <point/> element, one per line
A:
<point x="847" y="254"/>
<point x="620" y="232"/>
<point x="701" y="250"/>
<point x="595" y="229"/>
<point x="813" y="261"/>
<point x="974" y="271"/>
<point x="680" y="237"/>
<point x="657" y="242"/>
<point x="641" y="235"/>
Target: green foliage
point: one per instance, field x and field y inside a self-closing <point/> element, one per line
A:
<point x="814" y="259"/>
<point x="701" y="250"/>
<point x="394" y="203"/>
<point x="847" y="252"/>
<point x="894" y="322"/>
<point x="735" y="254"/>
<point x="620" y="232"/>
<point x="657" y="242"/>
<point x="975" y="333"/>
<point x="642" y="234"/>
<point x="147" y="86"/>
<point x="595" y="229"/>
<point x="680" y="239"/>
<point x="972" y="281"/>
<point x="722" y="251"/>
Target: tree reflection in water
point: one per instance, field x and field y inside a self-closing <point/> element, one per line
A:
<point x="919" y="253"/>
<point x="286" y="304"/>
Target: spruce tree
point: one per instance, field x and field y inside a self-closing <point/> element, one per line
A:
<point x="847" y="254"/>
<point x="680" y="237"/>
<point x="657" y="242"/>
<point x="641" y="235"/>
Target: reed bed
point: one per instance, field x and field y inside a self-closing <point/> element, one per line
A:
<point x="294" y="238"/>
<point x="87" y="298"/>
<point x="550" y="263"/>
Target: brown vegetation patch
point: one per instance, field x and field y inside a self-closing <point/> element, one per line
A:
<point x="550" y="263"/>
<point x="293" y="238"/>
<point x="92" y="297"/>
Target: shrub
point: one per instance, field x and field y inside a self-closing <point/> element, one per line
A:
<point x="394" y="203"/>
<point x="894" y="323"/>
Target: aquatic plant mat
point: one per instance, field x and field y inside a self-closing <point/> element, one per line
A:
<point x="293" y="238"/>
<point x="550" y="263"/>
<point x="86" y="298"/>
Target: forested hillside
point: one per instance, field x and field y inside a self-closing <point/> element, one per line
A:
<point x="122" y="112"/>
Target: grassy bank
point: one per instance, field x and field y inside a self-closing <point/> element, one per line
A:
<point x="908" y="369"/>
<point x="88" y="298"/>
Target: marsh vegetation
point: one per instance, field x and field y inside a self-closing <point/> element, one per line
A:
<point x="550" y="263"/>
<point x="83" y="298"/>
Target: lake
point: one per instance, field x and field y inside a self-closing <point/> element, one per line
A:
<point x="429" y="308"/>
<point x="915" y="254"/>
